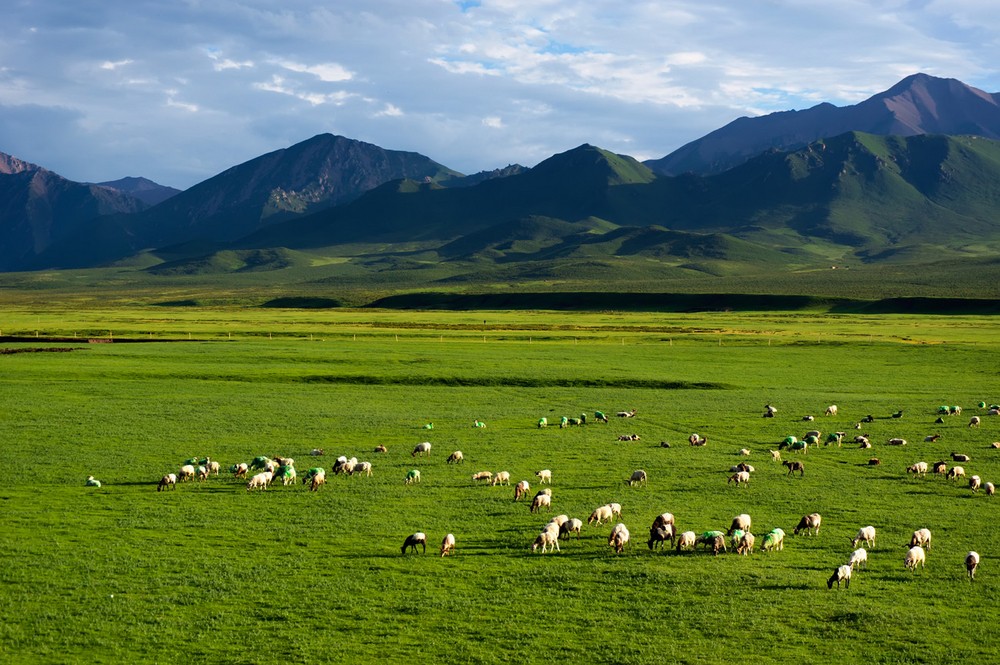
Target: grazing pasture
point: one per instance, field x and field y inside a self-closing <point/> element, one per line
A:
<point x="212" y="572"/>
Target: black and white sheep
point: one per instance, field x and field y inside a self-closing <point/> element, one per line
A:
<point x="414" y="539"/>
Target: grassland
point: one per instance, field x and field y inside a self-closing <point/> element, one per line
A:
<point x="212" y="573"/>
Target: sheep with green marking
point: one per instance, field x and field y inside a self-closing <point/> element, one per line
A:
<point x="773" y="540"/>
<point x="543" y="422"/>
<point x="709" y="538"/>
<point x="412" y="477"/>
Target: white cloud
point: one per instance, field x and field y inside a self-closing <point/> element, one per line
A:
<point x="493" y="122"/>
<point x="111" y="66"/>
<point x="390" y="111"/>
<point x="330" y="71"/>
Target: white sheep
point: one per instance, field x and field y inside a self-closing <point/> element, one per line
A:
<point x="448" y="545"/>
<point x="974" y="421"/>
<point x="411" y="542"/>
<point x="745" y="452"/>
<point x="974" y="483"/>
<point x="616" y="509"/>
<point x="168" y="481"/>
<point x="638" y="478"/>
<point x="619" y="537"/>
<point x="422" y="449"/>
<point x="956" y="472"/>
<point x="92" y="482"/>
<point x="990" y="489"/>
<point x="859" y="558"/>
<point x="240" y="470"/>
<point x="662" y="520"/>
<point x="186" y="472"/>
<point x="521" y="490"/>
<point x="316" y="452"/>
<point x="541" y="501"/>
<point x="546" y="539"/>
<point x="866" y="535"/>
<point x="559" y="520"/>
<point x="483" y="475"/>
<point x="896" y="441"/>
<point x="502" y="478"/>
<point x="746" y="544"/>
<point x="831" y="410"/>
<point x="362" y="468"/>
<point x="456" y="457"/>
<point x="921" y="537"/>
<point x="810" y="523"/>
<point x="842" y="574"/>
<point x="572" y="526"/>
<point x="544" y="476"/>
<point x="687" y="540"/>
<point x="600" y="515"/>
<point x="740" y="477"/>
<point x="260" y="481"/>
<point x="918" y="468"/>
<point x="915" y="557"/>
<point x="971" y="563"/>
<point x="202" y="473"/>
<point x="775" y="455"/>
<point x="740" y="523"/>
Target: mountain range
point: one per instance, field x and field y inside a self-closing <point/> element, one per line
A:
<point x="909" y="175"/>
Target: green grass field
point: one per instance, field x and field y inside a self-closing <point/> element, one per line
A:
<point x="212" y="573"/>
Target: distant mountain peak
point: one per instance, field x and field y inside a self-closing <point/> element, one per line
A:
<point x="10" y="164"/>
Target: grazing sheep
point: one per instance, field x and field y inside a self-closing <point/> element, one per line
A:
<point x="775" y="455"/>
<point x="599" y="415"/>
<point x="862" y="441"/>
<point x="412" y="476"/>
<point x="168" y="481"/>
<point x="918" y="468"/>
<point x="859" y="558"/>
<point x="831" y="410"/>
<point x="974" y="421"/>
<point x="931" y="438"/>
<point x="287" y="474"/>
<point x="686" y="541"/>
<point x="696" y="440"/>
<point x="315" y="476"/>
<point x="955" y="472"/>
<point x="744" y="452"/>
<point x="974" y="483"/>
<point x="546" y="539"/>
<point x="545" y="490"/>
<point x="662" y="520"/>
<point x="456" y="457"/>
<point x="808" y="419"/>
<point x="362" y="469"/>
<point x="638" y="478"/>
<point x="795" y="466"/>
<point x="422" y="449"/>
<point x="940" y="467"/>
<point x="990" y="489"/>
<point x="316" y="452"/>
<point x="600" y="515"/>
<point x="866" y="535"/>
<point x="483" y="475"/>
<point x="740" y="523"/>
<point x="718" y="545"/>
<point x="543" y="422"/>
<point x="239" y="470"/>
<point x="616" y="509"/>
<point x="201" y="473"/>
<point x="92" y="482"/>
<point x="774" y="540"/>
<point x="570" y="527"/>
<point x="954" y="410"/>
<point x="921" y="537"/>
<point x="664" y="444"/>
<point x="971" y="563"/>
<point x="563" y="422"/>
<point x="478" y="424"/>
<point x="835" y="437"/>
<point x="709" y="538"/>
<point x="661" y="534"/>
<point x="868" y="419"/>
<point x="541" y="501"/>
<point x="736" y="537"/>
<point x="628" y="437"/>
<point x="740" y="477"/>
<point x="186" y="472"/>
<point x="574" y="422"/>
<point x="769" y="411"/>
<point x="843" y="573"/>
<point x="874" y="462"/>
<point x="914" y="557"/>
<point x="896" y="441"/>
<point x="521" y="490"/>
<point x="626" y="414"/>
<point x="959" y="457"/>
<point x="342" y="465"/>
<point x="260" y="481"/>
<point x="746" y="544"/>
<point x="502" y="478"/>
<point x="448" y="545"/>
<point x="619" y="538"/>
<point x="544" y="476"/>
<point x="810" y="523"/>
<point x="995" y="445"/>
<point x="412" y="541"/>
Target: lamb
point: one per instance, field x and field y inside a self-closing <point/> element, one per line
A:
<point x="380" y="449"/>
<point x="974" y="483"/>
<point x="974" y="421"/>
<point x="940" y="467"/>
<point x="866" y="535"/>
<point x="662" y="520"/>
<point x="362" y="469"/>
<point x="448" y="545"/>
<point x="483" y="475"/>
<point x="412" y="476"/>
<point x="600" y="515"/>
<point x="990" y="489"/>
<point x="810" y="523"/>
<point x="995" y="445"/>
<point x="543" y="422"/>
<point x="628" y="437"/>
<point x="521" y="490"/>
<point x="544" y="476"/>
<point x="918" y="468"/>
<point x="843" y="573"/>
<point x="546" y="539"/>
<point x="456" y="457"/>
<point x="831" y="410"/>
<point x="915" y="557"/>
<point x="619" y="537"/>
<point x="859" y="557"/>
<point x="572" y="526"/>
<point x="955" y="472"/>
<point x="971" y="563"/>
<point x="479" y="424"/>
<point x="502" y="478"/>
<point x="92" y="482"/>
<point x="638" y="478"/>
<point x="696" y="440"/>
<point x="921" y="537"/>
<point x="740" y="477"/>
<point x="260" y="481"/>
<point x="896" y="441"/>
<point x="774" y="540"/>
<point x="746" y="544"/>
<point x="874" y="461"/>
<point x="863" y="441"/>
<point x="959" y="457"/>
<point x="932" y="438"/>
<point x="626" y="414"/>
<point x="541" y="501"/>
<point x="795" y="466"/>
<point x="616" y="509"/>
<point x="661" y="534"/>
<point x="240" y="470"/>
<point x="769" y="411"/>
<point x="808" y="419"/>
<point x="316" y="452"/>
<point x="168" y="481"/>
<point x="744" y="452"/>
<point x="422" y="449"/>
<point x="740" y="523"/>
<point x="213" y="467"/>
<point x="186" y="472"/>
<point x="686" y="540"/>
<point x="775" y="455"/>
<point x="413" y="540"/>
<point x="342" y="465"/>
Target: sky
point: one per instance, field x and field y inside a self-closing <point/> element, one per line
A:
<point x="180" y="90"/>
